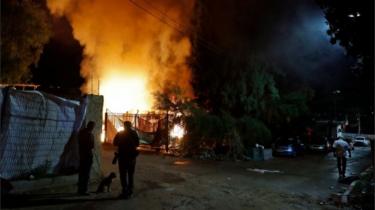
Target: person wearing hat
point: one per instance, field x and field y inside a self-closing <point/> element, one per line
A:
<point x="127" y="142"/>
<point x="341" y="151"/>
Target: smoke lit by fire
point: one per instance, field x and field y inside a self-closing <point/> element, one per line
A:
<point x="131" y="47"/>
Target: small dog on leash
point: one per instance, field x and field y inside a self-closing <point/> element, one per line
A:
<point x="106" y="182"/>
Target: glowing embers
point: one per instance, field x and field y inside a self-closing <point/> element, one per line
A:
<point x="181" y="162"/>
<point x="125" y="94"/>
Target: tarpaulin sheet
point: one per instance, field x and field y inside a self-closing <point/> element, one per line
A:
<point x="35" y="128"/>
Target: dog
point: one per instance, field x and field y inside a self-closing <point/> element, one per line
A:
<point x="106" y="182"/>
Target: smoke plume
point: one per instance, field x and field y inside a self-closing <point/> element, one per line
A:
<point x="130" y="41"/>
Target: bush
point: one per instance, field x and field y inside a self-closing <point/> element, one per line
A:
<point x="209" y="132"/>
<point x="253" y="132"/>
<point x="203" y="130"/>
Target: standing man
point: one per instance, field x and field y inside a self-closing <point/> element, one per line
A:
<point x="341" y="152"/>
<point x="86" y="145"/>
<point x="127" y="142"/>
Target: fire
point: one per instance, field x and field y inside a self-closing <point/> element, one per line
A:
<point x="125" y="94"/>
<point x="177" y="131"/>
<point x="131" y="48"/>
<point x="102" y="136"/>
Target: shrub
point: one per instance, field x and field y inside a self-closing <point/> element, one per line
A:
<point x="253" y="131"/>
<point x="207" y="131"/>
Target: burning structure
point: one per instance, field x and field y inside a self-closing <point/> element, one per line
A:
<point x="154" y="129"/>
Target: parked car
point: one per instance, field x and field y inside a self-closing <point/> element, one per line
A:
<point x="319" y="144"/>
<point x="288" y="147"/>
<point x="361" y="141"/>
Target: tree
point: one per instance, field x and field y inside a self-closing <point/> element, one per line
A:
<point x="351" y="24"/>
<point x="251" y="87"/>
<point x="239" y="93"/>
<point x="172" y="98"/>
<point x="60" y="63"/>
<point x="25" y="28"/>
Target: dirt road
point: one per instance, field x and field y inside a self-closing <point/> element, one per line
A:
<point x="164" y="182"/>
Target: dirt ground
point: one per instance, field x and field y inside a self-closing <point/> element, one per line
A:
<point x="165" y="182"/>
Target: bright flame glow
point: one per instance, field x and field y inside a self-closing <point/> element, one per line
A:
<point x="102" y="137"/>
<point x="177" y="131"/>
<point x="125" y="93"/>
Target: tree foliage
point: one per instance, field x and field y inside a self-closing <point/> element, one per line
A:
<point x="172" y="98"/>
<point x="25" y="28"/>
<point x="254" y="131"/>
<point x="248" y="106"/>
<point x="249" y="88"/>
<point x="207" y="131"/>
<point x="241" y="97"/>
<point x="351" y="24"/>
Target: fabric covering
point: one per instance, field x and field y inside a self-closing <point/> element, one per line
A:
<point x="35" y="127"/>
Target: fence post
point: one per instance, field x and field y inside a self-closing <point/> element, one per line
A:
<point x="105" y="125"/>
<point x="167" y="128"/>
<point x="136" y="120"/>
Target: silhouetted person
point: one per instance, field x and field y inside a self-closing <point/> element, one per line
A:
<point x="158" y="136"/>
<point x="127" y="142"/>
<point x="341" y="152"/>
<point x="86" y="145"/>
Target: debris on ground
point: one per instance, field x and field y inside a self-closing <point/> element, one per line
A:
<point x="262" y="171"/>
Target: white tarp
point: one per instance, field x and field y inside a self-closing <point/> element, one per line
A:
<point x="35" y="128"/>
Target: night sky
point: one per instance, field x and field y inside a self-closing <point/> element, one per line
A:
<point x="291" y="34"/>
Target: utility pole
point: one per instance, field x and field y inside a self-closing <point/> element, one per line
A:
<point x="92" y="82"/>
<point x="359" y="123"/>
<point x="335" y="93"/>
<point x="98" y="90"/>
<point x="105" y="125"/>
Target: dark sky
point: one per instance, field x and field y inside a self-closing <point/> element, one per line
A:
<point x="289" y="33"/>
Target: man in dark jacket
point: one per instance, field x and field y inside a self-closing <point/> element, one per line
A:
<point x="127" y="142"/>
<point x="86" y="145"/>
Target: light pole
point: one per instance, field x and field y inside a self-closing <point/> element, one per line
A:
<point x="335" y="93"/>
<point x="359" y="123"/>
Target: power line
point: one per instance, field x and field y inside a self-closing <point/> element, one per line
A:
<point x="164" y="18"/>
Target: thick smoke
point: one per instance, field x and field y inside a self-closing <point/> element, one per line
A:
<point x="126" y="39"/>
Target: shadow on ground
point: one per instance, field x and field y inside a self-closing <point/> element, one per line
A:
<point x="18" y="201"/>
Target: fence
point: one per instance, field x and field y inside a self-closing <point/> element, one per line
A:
<point x="145" y="124"/>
